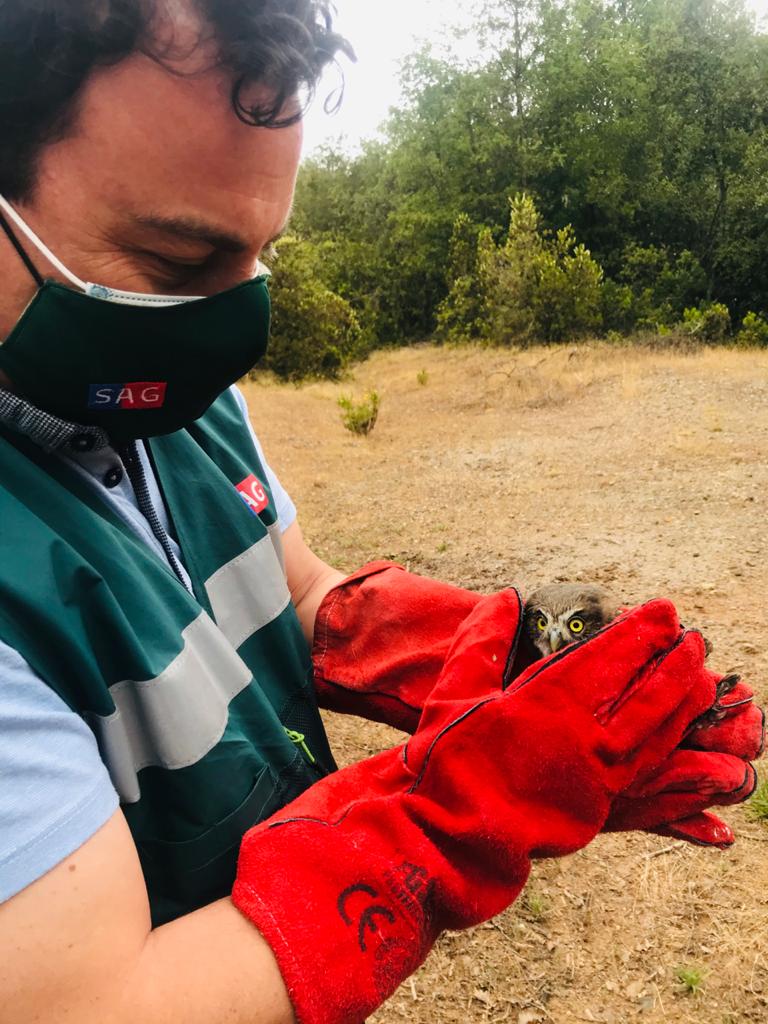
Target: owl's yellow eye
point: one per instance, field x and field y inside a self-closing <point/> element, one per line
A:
<point x="541" y="623"/>
<point x="576" y="626"/>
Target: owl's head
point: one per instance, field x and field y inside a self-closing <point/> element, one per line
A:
<point x="562" y="613"/>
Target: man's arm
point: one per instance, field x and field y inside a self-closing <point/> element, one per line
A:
<point x="78" y="947"/>
<point x="309" y="578"/>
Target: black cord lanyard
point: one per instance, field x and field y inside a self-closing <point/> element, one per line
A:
<point x="20" y="250"/>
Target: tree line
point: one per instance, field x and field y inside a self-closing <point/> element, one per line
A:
<point x="601" y="169"/>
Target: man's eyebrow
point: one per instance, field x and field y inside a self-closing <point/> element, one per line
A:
<point x="197" y="231"/>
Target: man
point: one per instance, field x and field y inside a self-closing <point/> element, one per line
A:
<point x="156" y="695"/>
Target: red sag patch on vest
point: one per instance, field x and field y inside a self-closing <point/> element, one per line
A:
<point x="252" y="491"/>
<point x="143" y="394"/>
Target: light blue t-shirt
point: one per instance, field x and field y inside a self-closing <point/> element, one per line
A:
<point x="55" y="792"/>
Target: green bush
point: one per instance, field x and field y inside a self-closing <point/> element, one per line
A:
<point x="360" y="417"/>
<point x="507" y="281"/>
<point x="662" y="285"/>
<point x="617" y="307"/>
<point x="536" y="286"/>
<point x="754" y="332"/>
<point x="315" y="332"/>
<point x="458" y="315"/>
<point x="568" y="299"/>
<point x="710" y="322"/>
<point x="690" y="978"/>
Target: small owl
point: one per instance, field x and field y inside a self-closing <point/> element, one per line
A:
<point x="562" y="613"/>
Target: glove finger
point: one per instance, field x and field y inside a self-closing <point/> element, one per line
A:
<point x="700" y="830"/>
<point x="692" y="791"/>
<point x="480" y="655"/>
<point x="740" y="729"/>
<point x="599" y="669"/>
<point x="653" y="714"/>
<point x="692" y="771"/>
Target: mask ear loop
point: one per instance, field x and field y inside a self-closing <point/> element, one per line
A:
<point x="21" y="251"/>
<point x="26" y="230"/>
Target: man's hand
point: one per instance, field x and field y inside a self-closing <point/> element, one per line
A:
<point x="77" y="949"/>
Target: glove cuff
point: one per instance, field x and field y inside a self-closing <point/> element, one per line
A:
<point x="381" y="637"/>
<point x="346" y="925"/>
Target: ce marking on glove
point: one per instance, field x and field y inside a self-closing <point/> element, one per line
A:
<point x="367" y="914"/>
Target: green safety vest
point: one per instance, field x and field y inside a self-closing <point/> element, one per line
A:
<point x="203" y="706"/>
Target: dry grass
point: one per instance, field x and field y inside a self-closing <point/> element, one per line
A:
<point x="644" y="470"/>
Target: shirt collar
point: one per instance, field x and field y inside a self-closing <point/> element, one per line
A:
<point x="46" y="430"/>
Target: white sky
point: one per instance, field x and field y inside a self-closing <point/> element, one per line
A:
<point x="382" y="33"/>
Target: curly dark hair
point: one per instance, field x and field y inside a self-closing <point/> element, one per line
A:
<point x="48" y="48"/>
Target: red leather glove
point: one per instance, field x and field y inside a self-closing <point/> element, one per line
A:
<point x="381" y="637"/>
<point x="711" y="769"/>
<point x="352" y="883"/>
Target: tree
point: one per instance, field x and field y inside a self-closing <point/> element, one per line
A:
<point x="315" y="333"/>
<point x="637" y="127"/>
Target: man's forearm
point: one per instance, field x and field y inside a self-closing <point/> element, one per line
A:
<point x="308" y="600"/>
<point x="78" y="949"/>
<point x="309" y="578"/>
<point x="210" y="967"/>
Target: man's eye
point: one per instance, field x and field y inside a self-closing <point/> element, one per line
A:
<point x="177" y="271"/>
<point x="181" y="266"/>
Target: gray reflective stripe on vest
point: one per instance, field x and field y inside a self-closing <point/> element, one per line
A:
<point x="175" y="719"/>
<point x="249" y="592"/>
<point x="275" y="532"/>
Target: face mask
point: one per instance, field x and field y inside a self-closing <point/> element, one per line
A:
<point x="136" y="365"/>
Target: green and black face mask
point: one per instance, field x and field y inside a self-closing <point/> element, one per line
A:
<point x="135" y="364"/>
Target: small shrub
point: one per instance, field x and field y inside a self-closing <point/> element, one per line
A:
<point x="710" y="322"/>
<point x="422" y="378"/>
<point x="691" y="979"/>
<point x="360" y="417"/>
<point x="754" y="332"/>
<point x="536" y="903"/>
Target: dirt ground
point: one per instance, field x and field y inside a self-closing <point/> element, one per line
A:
<point x="645" y="471"/>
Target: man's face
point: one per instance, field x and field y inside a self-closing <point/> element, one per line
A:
<point x="160" y="187"/>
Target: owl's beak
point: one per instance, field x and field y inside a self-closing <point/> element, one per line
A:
<point x="556" y="640"/>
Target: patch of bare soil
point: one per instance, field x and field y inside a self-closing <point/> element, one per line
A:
<point x="644" y="471"/>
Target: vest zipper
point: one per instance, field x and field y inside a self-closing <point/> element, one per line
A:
<point x="129" y="453"/>
<point x="300" y="740"/>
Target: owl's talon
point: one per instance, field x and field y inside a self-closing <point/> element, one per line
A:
<point x="726" y="685"/>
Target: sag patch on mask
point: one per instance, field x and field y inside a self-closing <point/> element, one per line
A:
<point x="136" y="395"/>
